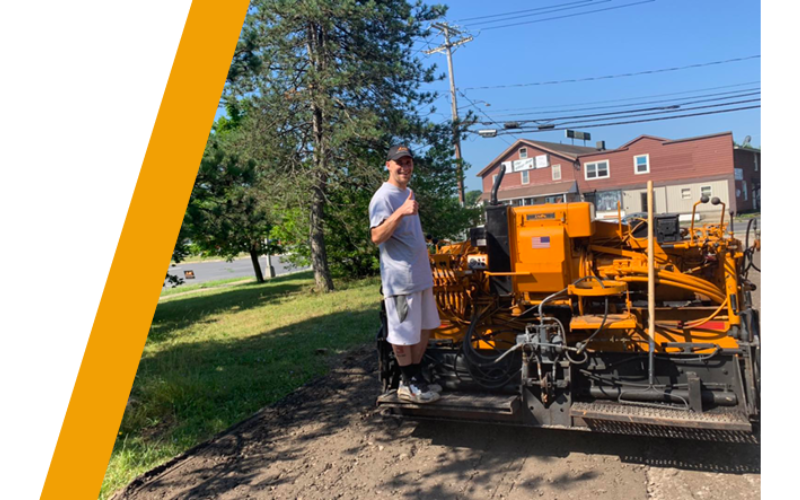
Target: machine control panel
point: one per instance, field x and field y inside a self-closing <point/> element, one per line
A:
<point x="478" y="262"/>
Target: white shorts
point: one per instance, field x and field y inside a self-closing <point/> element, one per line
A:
<point x="422" y="315"/>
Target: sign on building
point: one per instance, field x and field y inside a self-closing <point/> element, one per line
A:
<point x="542" y="161"/>
<point x="525" y="164"/>
<point x="507" y="165"/>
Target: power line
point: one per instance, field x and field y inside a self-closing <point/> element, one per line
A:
<point x="427" y="44"/>
<point x="671" y="101"/>
<point x="552" y="10"/>
<point x="568" y="15"/>
<point x="519" y="11"/>
<point x="484" y="114"/>
<point x="649" y="113"/>
<point x="634" y="121"/>
<point x="633" y="98"/>
<point x="672" y="104"/>
<point x="427" y="41"/>
<point x="620" y="75"/>
<point x="548" y="124"/>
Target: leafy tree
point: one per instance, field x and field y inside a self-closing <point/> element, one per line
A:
<point x="180" y="252"/>
<point x="228" y="213"/>
<point x="748" y="146"/>
<point x="471" y="197"/>
<point x="337" y="83"/>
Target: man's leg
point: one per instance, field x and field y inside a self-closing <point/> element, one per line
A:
<point x="418" y="350"/>
<point x="412" y="388"/>
<point x="418" y="354"/>
<point x="406" y="355"/>
<point x="403" y="354"/>
<point x="402" y="332"/>
<point x="430" y="320"/>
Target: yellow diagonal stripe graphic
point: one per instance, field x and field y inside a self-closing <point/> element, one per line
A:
<point x="145" y="246"/>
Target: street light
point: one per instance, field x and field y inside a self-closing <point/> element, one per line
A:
<point x="487" y="133"/>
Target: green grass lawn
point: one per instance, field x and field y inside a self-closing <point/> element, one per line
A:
<point x="191" y="259"/>
<point x="213" y="359"/>
<point x="750" y="215"/>
<point x="201" y="286"/>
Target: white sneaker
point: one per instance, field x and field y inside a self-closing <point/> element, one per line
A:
<point x="435" y="388"/>
<point x="431" y="385"/>
<point x="417" y="393"/>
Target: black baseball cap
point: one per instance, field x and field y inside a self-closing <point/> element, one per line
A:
<point x="397" y="152"/>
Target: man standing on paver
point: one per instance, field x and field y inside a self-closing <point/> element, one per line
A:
<point x="406" y="275"/>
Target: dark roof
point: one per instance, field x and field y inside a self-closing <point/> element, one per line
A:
<point x="566" y="150"/>
<point x="747" y="148"/>
<point x="664" y="142"/>
<point x="698" y="137"/>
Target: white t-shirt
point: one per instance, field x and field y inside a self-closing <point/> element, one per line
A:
<point x="405" y="265"/>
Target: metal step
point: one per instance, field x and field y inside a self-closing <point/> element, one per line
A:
<point x="647" y="420"/>
<point x="457" y="402"/>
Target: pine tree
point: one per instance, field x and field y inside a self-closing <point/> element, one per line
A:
<point x="337" y="83"/>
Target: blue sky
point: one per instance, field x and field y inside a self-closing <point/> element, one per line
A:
<point x="649" y="36"/>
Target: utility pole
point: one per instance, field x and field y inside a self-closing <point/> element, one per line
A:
<point x="446" y="31"/>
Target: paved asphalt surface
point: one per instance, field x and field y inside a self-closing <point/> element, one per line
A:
<point x="740" y="226"/>
<point x="220" y="270"/>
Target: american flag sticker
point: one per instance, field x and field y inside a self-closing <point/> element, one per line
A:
<point x="541" y="242"/>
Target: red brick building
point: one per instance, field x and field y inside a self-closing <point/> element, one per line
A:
<point x="681" y="170"/>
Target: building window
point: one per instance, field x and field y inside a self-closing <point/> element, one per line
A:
<point x="641" y="164"/>
<point x="525" y="177"/>
<point x="523" y="153"/>
<point x="705" y="191"/>
<point x="686" y="193"/>
<point x="607" y="200"/>
<point x="755" y="160"/>
<point x="744" y="188"/>
<point x="556" y="172"/>
<point x="597" y="170"/>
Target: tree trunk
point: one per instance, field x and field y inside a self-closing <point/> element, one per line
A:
<point x="270" y="270"/>
<point x="319" y="257"/>
<point x="256" y="264"/>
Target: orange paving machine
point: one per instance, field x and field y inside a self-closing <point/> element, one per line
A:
<point x="551" y="318"/>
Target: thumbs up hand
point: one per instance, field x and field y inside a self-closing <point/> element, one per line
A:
<point x="410" y="206"/>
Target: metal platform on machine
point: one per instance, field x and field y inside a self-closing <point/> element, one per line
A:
<point x="495" y="404"/>
<point x="662" y="422"/>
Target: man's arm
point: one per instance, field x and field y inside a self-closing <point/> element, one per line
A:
<point x="381" y="233"/>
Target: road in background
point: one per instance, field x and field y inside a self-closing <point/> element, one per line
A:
<point x="220" y="270"/>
